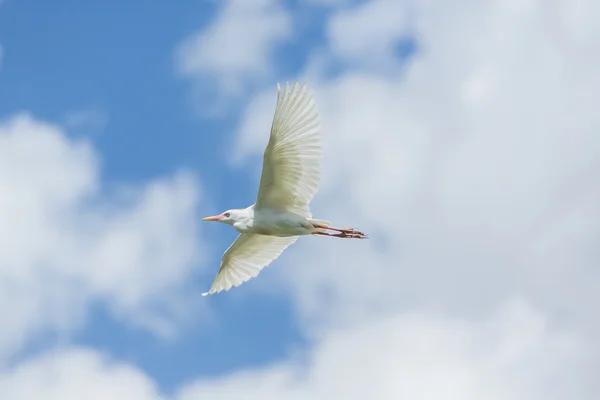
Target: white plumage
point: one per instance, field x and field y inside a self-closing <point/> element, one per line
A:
<point x="290" y="179"/>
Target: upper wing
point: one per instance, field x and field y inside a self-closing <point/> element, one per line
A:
<point x="246" y="257"/>
<point x="290" y="175"/>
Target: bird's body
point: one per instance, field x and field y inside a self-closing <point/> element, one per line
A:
<point x="289" y="181"/>
<point x="272" y="223"/>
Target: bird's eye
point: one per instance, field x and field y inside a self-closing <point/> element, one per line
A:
<point x="227" y="214"/>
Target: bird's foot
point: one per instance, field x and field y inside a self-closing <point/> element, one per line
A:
<point x="354" y="234"/>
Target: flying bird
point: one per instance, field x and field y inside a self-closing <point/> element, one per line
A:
<point x="290" y="179"/>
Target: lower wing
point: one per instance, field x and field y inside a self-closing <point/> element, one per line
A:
<point x="246" y="257"/>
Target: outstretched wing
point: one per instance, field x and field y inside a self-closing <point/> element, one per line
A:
<point x="246" y="257"/>
<point x="290" y="176"/>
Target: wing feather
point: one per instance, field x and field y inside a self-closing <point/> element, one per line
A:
<point x="246" y="257"/>
<point x="291" y="162"/>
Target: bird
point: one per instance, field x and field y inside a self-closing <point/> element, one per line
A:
<point x="289" y="181"/>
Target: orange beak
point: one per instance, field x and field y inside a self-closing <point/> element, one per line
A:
<point x="213" y="218"/>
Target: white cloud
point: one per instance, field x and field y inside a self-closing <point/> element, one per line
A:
<point x="237" y="47"/>
<point x="512" y="354"/>
<point x="67" y="241"/>
<point x="76" y="373"/>
<point x="475" y="172"/>
<point x="473" y="169"/>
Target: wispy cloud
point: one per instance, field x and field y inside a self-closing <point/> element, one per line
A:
<point x="89" y="120"/>
<point x="237" y="47"/>
<point x="366" y="35"/>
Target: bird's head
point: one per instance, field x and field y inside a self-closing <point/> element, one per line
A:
<point x="228" y="217"/>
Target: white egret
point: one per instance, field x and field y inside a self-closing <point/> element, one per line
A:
<point x="290" y="179"/>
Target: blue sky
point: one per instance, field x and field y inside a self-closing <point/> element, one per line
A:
<point x="122" y="124"/>
<point x="114" y="57"/>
